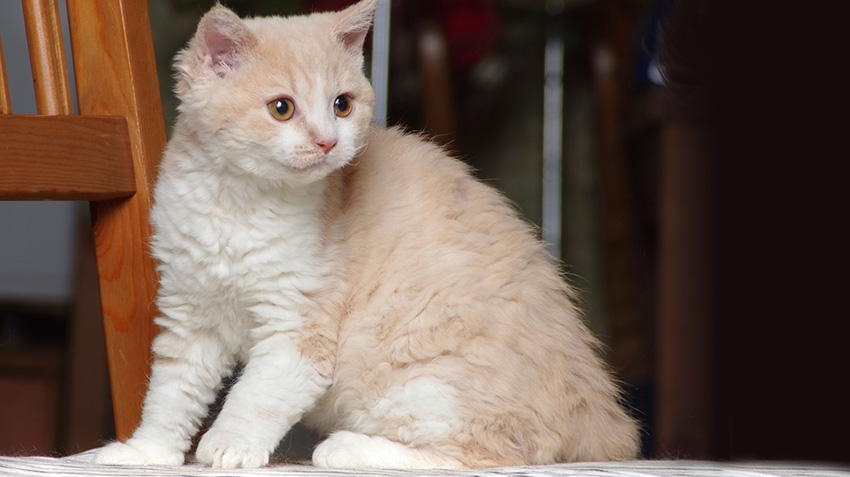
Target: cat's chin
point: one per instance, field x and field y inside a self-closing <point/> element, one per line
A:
<point x="322" y="162"/>
<point x="309" y="174"/>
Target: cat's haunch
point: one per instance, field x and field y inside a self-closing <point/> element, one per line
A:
<point x="367" y="283"/>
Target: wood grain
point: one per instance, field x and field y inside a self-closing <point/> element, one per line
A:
<point x="5" y="102"/>
<point x="65" y="158"/>
<point x="47" y="57"/>
<point x="116" y="75"/>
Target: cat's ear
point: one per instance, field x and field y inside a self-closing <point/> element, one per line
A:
<point x="353" y="24"/>
<point x="223" y="41"/>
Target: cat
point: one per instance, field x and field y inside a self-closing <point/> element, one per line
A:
<point x="368" y="284"/>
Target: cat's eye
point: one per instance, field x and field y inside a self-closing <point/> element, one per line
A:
<point x="282" y="109"/>
<point x="342" y="105"/>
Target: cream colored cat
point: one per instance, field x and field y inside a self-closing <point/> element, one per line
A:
<point x="370" y="286"/>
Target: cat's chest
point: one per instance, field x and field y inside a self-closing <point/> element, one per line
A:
<point x="220" y="239"/>
<point x="235" y="233"/>
<point x="265" y="231"/>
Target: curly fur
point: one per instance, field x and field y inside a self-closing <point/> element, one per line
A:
<point x="374" y="290"/>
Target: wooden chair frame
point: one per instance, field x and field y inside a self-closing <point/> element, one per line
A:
<point x="107" y="154"/>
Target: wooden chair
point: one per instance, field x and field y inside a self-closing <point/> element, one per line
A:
<point x="107" y="154"/>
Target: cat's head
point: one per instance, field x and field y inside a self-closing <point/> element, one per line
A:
<point x="280" y="98"/>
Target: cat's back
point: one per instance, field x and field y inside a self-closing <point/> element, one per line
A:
<point x="416" y="218"/>
<point x="403" y="180"/>
<point x="402" y="165"/>
<point x="451" y="291"/>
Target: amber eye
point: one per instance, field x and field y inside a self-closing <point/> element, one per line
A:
<point x="342" y="105"/>
<point x="282" y="109"/>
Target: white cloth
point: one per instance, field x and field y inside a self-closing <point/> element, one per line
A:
<point x="81" y="465"/>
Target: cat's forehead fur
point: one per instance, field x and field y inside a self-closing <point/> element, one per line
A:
<point x="302" y="53"/>
<point x="276" y="49"/>
<point x="311" y="38"/>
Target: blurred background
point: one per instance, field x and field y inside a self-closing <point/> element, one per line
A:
<point x="558" y="103"/>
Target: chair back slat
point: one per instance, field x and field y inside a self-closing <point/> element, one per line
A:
<point x="5" y="102"/>
<point x="47" y="57"/>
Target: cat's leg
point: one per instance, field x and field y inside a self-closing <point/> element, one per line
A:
<point x="185" y="377"/>
<point x="344" y="449"/>
<point x="277" y="385"/>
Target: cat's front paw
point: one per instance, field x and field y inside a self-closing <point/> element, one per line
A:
<point x="340" y="450"/>
<point x="350" y="450"/>
<point x="135" y="452"/>
<point x="230" y="450"/>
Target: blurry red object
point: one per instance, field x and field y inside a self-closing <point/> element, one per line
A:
<point x="471" y="27"/>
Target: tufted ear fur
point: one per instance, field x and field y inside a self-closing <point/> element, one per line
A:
<point x="222" y="41"/>
<point x="354" y="23"/>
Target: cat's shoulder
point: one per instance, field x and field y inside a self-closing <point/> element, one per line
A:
<point x="399" y="140"/>
<point x="394" y="147"/>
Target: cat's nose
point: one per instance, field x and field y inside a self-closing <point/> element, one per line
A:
<point x="327" y="144"/>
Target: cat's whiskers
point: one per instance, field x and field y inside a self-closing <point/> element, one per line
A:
<point x="359" y="151"/>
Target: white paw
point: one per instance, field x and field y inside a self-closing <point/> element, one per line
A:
<point x="350" y="450"/>
<point x="339" y="450"/>
<point x="230" y="450"/>
<point x="136" y="452"/>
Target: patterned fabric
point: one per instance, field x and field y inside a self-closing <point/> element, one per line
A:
<point x="80" y="465"/>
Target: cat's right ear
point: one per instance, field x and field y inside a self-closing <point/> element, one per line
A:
<point x="222" y="42"/>
<point x="353" y="24"/>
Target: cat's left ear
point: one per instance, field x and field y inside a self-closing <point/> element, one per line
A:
<point x="353" y="25"/>
<point x="223" y="41"/>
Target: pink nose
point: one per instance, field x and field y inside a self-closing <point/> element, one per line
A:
<point x="327" y="144"/>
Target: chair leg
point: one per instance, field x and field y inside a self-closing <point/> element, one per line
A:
<point x="115" y="61"/>
<point x="127" y="290"/>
